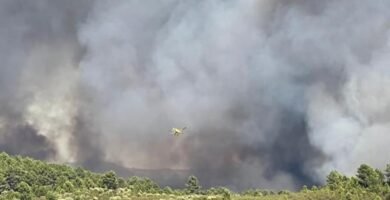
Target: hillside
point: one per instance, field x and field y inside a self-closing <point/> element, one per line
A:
<point x="25" y="178"/>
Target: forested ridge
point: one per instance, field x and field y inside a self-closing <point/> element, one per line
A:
<point x="25" y="178"/>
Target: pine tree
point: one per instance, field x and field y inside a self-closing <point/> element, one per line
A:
<point x="192" y="185"/>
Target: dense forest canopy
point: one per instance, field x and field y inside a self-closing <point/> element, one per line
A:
<point x="25" y="178"/>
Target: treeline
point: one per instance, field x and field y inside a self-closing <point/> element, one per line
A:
<point x="25" y="178"/>
<point x="368" y="184"/>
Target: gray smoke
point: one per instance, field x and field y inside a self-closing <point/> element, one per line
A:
<point x="275" y="93"/>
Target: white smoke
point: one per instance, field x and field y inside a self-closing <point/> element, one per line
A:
<point x="353" y="130"/>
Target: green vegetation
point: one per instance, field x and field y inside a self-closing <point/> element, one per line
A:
<point x="27" y="179"/>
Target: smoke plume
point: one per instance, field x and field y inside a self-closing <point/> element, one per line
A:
<point x="275" y="93"/>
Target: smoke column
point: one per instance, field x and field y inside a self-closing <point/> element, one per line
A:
<point x="275" y="93"/>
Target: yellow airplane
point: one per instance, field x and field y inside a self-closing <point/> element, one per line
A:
<point x="178" y="131"/>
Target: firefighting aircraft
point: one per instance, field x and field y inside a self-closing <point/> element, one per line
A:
<point x="178" y="131"/>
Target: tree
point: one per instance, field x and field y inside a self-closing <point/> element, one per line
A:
<point x="89" y="183"/>
<point x="387" y="174"/>
<point x="68" y="186"/>
<point x="3" y="185"/>
<point x="121" y="183"/>
<point x="51" y="196"/>
<point x="24" y="189"/>
<point x="226" y="193"/>
<point x="12" y="178"/>
<point x="60" y="181"/>
<point x="150" y="186"/>
<point x="369" y="177"/>
<point x="167" y="190"/>
<point x="192" y="185"/>
<point x="132" y="180"/>
<point x="314" y="188"/>
<point x="40" y="191"/>
<point x="110" y="180"/>
<point x="335" y="180"/>
<point x="80" y="172"/>
<point x="304" y="188"/>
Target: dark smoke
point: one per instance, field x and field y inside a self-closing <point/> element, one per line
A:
<point x="85" y="143"/>
<point x="24" y="140"/>
<point x="39" y="50"/>
<point x="275" y="93"/>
